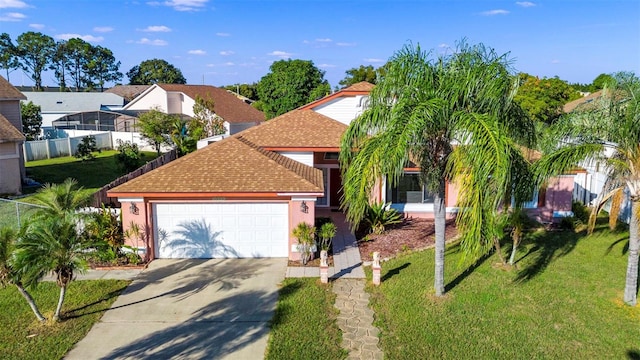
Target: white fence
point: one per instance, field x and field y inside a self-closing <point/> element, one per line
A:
<point x="67" y="146"/>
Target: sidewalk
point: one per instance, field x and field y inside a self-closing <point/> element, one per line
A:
<point x="107" y="274"/>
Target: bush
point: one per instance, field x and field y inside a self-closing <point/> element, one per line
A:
<point x="305" y="234"/>
<point x="580" y="211"/>
<point x="326" y="232"/>
<point x="86" y="148"/>
<point x="379" y="216"/>
<point x="129" y="157"/>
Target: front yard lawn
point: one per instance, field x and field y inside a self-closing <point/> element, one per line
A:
<point x="304" y="325"/>
<point x="564" y="300"/>
<point x="91" y="174"/>
<point x="22" y="337"/>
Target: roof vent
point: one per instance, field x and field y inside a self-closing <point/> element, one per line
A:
<point x="59" y="102"/>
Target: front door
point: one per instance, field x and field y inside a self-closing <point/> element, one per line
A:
<point x="335" y="187"/>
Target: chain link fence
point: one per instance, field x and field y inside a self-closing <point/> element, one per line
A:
<point x="15" y="213"/>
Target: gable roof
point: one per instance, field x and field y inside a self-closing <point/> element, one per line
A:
<point x="210" y="171"/>
<point x="297" y="129"/>
<point x="8" y="132"/>
<point x="9" y="92"/>
<point x="361" y="88"/>
<point x="71" y="102"/>
<point x="128" y="92"/>
<point x="572" y="105"/>
<point x="226" y="105"/>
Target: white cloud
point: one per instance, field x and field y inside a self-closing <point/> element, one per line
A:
<point x="525" y="3"/>
<point x="325" y="40"/>
<point x="181" y="5"/>
<point x="156" y="28"/>
<point x="226" y="52"/>
<point x="373" y="60"/>
<point x="280" y="54"/>
<point x="197" y="52"/>
<point x="229" y="63"/>
<point x="326" y="66"/>
<point x="444" y="46"/>
<point x="494" y="12"/>
<point x="87" y="38"/>
<point x="37" y="26"/>
<point x="555" y="61"/>
<point x="103" y="29"/>
<point x="345" y="44"/>
<point x="12" y="16"/>
<point x="16" y="4"/>
<point x="156" y="42"/>
<point x="222" y="34"/>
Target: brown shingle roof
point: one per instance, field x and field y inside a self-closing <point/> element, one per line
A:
<point x="8" y="132"/>
<point x="572" y="105"/>
<point x="361" y="86"/>
<point x="231" y="165"/>
<point x="226" y="105"/>
<point x="129" y="92"/>
<point x="9" y="92"/>
<point x="297" y="129"/>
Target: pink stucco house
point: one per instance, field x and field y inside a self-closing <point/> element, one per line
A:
<point x="12" y="169"/>
<point x="243" y="195"/>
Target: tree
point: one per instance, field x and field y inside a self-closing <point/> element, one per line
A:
<point x="79" y="54"/>
<point x="250" y="91"/>
<point x="180" y="137"/>
<point x="156" y="127"/>
<point x="415" y="113"/>
<point x="102" y="68"/>
<point x="35" y="51"/>
<point x="205" y="121"/>
<point x="611" y="125"/>
<point x="31" y="120"/>
<point x="155" y="71"/>
<point x="290" y="84"/>
<point x="356" y="75"/>
<point x="601" y="81"/>
<point x="543" y="98"/>
<point x="8" y="272"/>
<point x="129" y="157"/>
<point x="8" y="54"/>
<point x="86" y="148"/>
<point x="60" y="64"/>
<point x="55" y="240"/>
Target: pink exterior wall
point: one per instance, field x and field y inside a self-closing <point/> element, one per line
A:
<point x="141" y="220"/>
<point x="558" y="197"/>
<point x="296" y="216"/>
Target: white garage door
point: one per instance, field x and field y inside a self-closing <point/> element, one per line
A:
<point x="221" y="230"/>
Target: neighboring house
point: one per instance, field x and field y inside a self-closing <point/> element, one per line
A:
<point x="12" y="169"/>
<point x="128" y="92"/>
<point x="243" y="195"/>
<point x="179" y="99"/>
<point x="81" y="111"/>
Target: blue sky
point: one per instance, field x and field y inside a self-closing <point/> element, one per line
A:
<point x="228" y="42"/>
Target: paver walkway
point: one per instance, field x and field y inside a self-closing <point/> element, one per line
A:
<point x="359" y="336"/>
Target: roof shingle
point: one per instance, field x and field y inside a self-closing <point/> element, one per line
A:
<point x="9" y="92"/>
<point x="8" y="132"/>
<point x="209" y="170"/>
<point x="297" y="129"/>
<point x="226" y="105"/>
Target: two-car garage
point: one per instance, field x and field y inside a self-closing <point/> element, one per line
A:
<point x="221" y="229"/>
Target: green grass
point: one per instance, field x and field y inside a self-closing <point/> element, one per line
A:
<point x="304" y="325"/>
<point x="23" y="337"/>
<point x="92" y="174"/>
<point x="563" y="301"/>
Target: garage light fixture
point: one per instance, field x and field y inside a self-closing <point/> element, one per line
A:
<point x="133" y="209"/>
<point x="304" y="207"/>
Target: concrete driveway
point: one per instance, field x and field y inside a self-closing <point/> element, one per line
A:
<point x="189" y="309"/>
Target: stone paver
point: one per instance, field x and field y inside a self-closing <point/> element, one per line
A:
<point x="359" y="336"/>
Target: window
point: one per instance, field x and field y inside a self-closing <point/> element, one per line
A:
<point x="331" y="156"/>
<point x="408" y="190"/>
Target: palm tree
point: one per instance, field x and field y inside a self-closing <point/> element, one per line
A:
<point x="416" y="113"/>
<point x="8" y="273"/>
<point x="605" y="131"/>
<point x="57" y="199"/>
<point x="53" y="245"/>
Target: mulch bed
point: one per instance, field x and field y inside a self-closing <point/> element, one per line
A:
<point x="412" y="234"/>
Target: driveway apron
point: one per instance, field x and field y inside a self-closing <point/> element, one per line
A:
<point x="189" y="309"/>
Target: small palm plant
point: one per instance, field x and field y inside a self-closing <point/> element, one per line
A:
<point x="380" y="215"/>
<point x="326" y="233"/>
<point x="305" y="234"/>
<point x="8" y="272"/>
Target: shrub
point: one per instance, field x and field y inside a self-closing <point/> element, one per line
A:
<point x="106" y="227"/>
<point x="580" y="211"/>
<point x="379" y="216"/>
<point x="305" y="234"/>
<point x="86" y="148"/>
<point x="129" y="157"/>
<point x="326" y="233"/>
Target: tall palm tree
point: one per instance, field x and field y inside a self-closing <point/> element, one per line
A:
<point x="55" y="245"/>
<point x="8" y="273"/>
<point x="606" y="131"/>
<point x="417" y="112"/>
